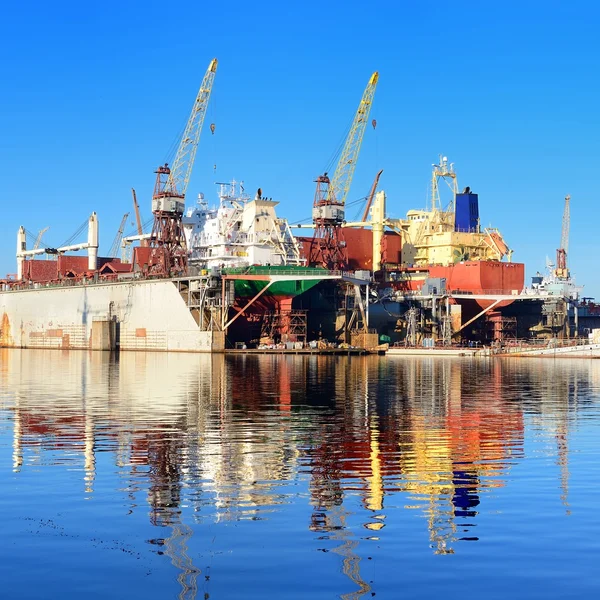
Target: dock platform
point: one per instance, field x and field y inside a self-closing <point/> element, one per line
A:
<point x="308" y="351"/>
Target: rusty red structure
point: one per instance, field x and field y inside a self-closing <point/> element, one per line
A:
<point x="328" y="247"/>
<point x="358" y="248"/>
<point x="70" y="267"/>
<point x="168" y="253"/>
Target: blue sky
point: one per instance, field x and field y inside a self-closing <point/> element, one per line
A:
<point x="94" y="95"/>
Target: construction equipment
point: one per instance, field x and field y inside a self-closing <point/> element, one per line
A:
<point x="371" y="194"/>
<point x="38" y="239"/>
<point x="562" y="271"/>
<point x="114" y="249"/>
<point x="168" y="252"/>
<point x="327" y="248"/>
<point x="138" y="219"/>
<point x="91" y="245"/>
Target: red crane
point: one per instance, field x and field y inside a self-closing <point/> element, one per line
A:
<point x="328" y="248"/>
<point x="168" y="255"/>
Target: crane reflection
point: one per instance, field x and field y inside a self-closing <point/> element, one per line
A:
<point x="219" y="438"/>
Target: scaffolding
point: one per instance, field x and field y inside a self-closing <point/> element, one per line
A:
<point x="446" y="330"/>
<point x="356" y="316"/>
<point x="501" y="329"/>
<point x="208" y="299"/>
<point x="413" y="326"/>
<point x="284" y="326"/>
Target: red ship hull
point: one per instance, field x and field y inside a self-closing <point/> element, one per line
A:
<point x="489" y="277"/>
<point x="483" y="278"/>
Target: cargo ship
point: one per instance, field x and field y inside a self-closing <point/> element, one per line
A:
<point x="241" y="259"/>
<point x="446" y="244"/>
<point x="204" y="272"/>
<point x="432" y="254"/>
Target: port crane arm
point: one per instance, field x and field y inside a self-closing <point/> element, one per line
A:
<point x="371" y="194"/>
<point x="562" y="252"/>
<point x="38" y="239"/>
<point x="564" y="239"/>
<point x="327" y="247"/>
<point x="181" y="170"/>
<point x="92" y="242"/>
<point x="136" y="208"/>
<point x="342" y="178"/>
<point x="117" y="241"/>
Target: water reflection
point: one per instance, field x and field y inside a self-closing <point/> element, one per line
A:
<point x="227" y="439"/>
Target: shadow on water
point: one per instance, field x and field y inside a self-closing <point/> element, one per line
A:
<point x="357" y="442"/>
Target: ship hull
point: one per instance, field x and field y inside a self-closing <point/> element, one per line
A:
<point x="279" y="293"/>
<point x="482" y="277"/>
<point x="477" y="278"/>
<point x="486" y="278"/>
<point x="143" y="315"/>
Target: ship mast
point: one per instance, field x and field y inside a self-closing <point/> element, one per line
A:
<point x="444" y="170"/>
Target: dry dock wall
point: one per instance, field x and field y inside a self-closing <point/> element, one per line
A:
<point x="147" y="315"/>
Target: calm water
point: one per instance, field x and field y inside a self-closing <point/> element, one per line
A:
<point x="218" y="477"/>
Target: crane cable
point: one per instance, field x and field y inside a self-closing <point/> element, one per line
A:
<point x="335" y="156"/>
<point x="79" y="231"/>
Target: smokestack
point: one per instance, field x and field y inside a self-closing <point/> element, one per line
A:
<point x="93" y="243"/>
<point x="21" y="247"/>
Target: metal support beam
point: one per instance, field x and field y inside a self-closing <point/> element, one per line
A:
<point x="228" y="324"/>
<point x="477" y="316"/>
<point x="358" y="296"/>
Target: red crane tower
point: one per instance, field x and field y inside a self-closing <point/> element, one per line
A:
<point x="328" y="248"/>
<point x="168" y="254"/>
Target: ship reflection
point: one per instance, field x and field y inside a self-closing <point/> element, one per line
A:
<point x="215" y="438"/>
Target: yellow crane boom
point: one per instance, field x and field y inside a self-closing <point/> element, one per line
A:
<point x="342" y="178"/>
<point x="181" y="170"/>
<point x="328" y="247"/>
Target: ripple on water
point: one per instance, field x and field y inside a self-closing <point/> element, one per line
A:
<point x="287" y="477"/>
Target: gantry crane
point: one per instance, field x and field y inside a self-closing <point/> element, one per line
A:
<point x="114" y="249"/>
<point x="562" y="271"/>
<point x="328" y="247"/>
<point x="168" y="253"/>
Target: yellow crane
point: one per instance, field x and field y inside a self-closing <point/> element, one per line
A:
<point x="342" y="178"/>
<point x="168" y="254"/>
<point x="179" y="174"/>
<point x="327" y="247"/>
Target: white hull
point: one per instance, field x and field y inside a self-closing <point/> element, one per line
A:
<point x="144" y="315"/>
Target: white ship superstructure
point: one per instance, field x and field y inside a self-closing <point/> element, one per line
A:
<point x="239" y="231"/>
